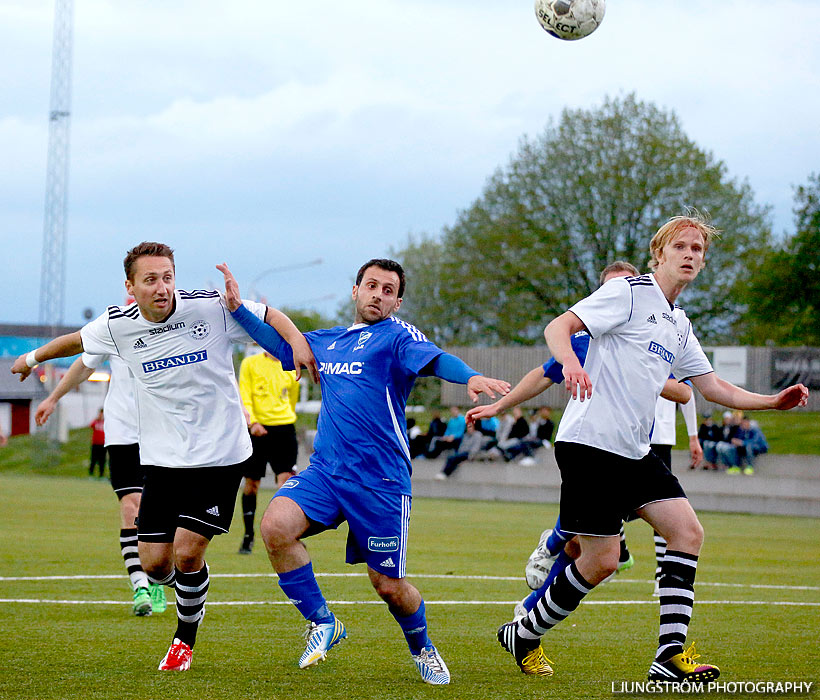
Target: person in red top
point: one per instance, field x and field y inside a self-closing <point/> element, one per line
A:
<point x="98" y="452"/>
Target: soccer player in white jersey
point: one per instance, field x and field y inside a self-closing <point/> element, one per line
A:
<point x="360" y="470"/>
<point x="602" y="445"/>
<point x="192" y="433"/>
<point x="127" y="474"/>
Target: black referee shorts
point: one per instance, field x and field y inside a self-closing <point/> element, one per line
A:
<point x="278" y="448"/>
<point x="600" y="489"/>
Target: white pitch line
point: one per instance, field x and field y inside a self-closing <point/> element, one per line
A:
<point x="46" y="601"/>
<point x="450" y="577"/>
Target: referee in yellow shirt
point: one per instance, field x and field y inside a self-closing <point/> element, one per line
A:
<point x="269" y="394"/>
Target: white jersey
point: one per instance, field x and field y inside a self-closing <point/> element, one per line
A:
<point x="663" y="433"/>
<point x="188" y="406"/>
<point x="638" y="340"/>
<point x="120" y="407"/>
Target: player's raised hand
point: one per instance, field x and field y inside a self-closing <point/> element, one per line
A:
<point x="481" y="412"/>
<point x="793" y="396"/>
<point x="44" y="410"/>
<point x="577" y="382"/>
<point x="479" y="384"/>
<point x="232" y="298"/>
<point x="21" y="367"/>
<point x="303" y="357"/>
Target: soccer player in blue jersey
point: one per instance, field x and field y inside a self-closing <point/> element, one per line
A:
<point x="360" y="470"/>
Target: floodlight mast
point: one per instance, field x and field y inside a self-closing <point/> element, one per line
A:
<point x="52" y="274"/>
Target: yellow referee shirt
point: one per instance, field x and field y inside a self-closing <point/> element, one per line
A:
<point x="268" y="392"/>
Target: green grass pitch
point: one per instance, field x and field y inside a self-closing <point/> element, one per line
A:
<point x="757" y="614"/>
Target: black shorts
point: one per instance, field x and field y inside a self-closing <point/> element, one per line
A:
<point x="664" y="452"/>
<point x="278" y="448"/>
<point x="200" y="499"/>
<point x="600" y="489"/>
<point x="127" y="474"/>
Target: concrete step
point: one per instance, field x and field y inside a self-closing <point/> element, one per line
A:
<point x="789" y="487"/>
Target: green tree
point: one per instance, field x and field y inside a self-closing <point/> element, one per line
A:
<point x="782" y="294"/>
<point x="592" y="188"/>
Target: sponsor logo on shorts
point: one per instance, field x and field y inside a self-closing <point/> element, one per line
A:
<point x="341" y="367"/>
<point x="661" y="351"/>
<point x="383" y="544"/>
<point x="289" y="484"/>
<point x="165" y="329"/>
<point x="200" y="330"/>
<point x="214" y="510"/>
<point x="388" y="563"/>
<point x="188" y="358"/>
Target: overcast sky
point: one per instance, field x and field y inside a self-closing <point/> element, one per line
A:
<point x="269" y="133"/>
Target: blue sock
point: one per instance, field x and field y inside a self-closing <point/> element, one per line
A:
<point x="558" y="538"/>
<point x="561" y="563"/>
<point x="301" y="588"/>
<point x="415" y="629"/>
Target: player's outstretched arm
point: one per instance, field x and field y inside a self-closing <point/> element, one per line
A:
<point x="302" y="354"/>
<point x="63" y="346"/>
<point x="532" y="384"/>
<point x="75" y="376"/>
<point x="676" y="391"/>
<point x="558" y="335"/>
<point x="727" y="394"/>
<point x="452" y="369"/>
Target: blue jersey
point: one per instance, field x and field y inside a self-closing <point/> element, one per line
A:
<point x="367" y="372"/>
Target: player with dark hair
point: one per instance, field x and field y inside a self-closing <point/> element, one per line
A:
<point x="127" y="474"/>
<point x="602" y="445"/>
<point x="360" y="470"/>
<point x="193" y="437"/>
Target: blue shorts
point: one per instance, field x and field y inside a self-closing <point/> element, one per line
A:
<point x="377" y="520"/>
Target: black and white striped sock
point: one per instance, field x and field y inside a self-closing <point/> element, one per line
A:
<point x="624" y="555"/>
<point x="564" y="594"/>
<point x="131" y="557"/>
<point x="677" y="597"/>
<point x="191" y="592"/>
<point x="170" y="580"/>
<point x="660" y="551"/>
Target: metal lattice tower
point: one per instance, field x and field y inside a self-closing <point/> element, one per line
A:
<point x="52" y="274"/>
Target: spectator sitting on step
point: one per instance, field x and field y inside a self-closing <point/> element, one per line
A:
<point x="726" y="449"/>
<point x="473" y="445"/>
<point x="749" y="442"/>
<point x="709" y="434"/>
<point x="452" y="435"/>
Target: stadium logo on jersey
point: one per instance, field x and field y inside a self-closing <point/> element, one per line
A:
<point x="341" y="367"/>
<point x="188" y="358"/>
<point x="363" y="336"/>
<point x="165" y="329"/>
<point x="200" y="330"/>
<point x="382" y="544"/>
<point x="661" y="352"/>
<point x="388" y="563"/>
<point x="651" y="319"/>
<point x="671" y="319"/>
<point x="140" y="344"/>
<point x="332" y="346"/>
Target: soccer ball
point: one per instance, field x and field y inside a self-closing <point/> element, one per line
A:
<point x="570" y="19"/>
